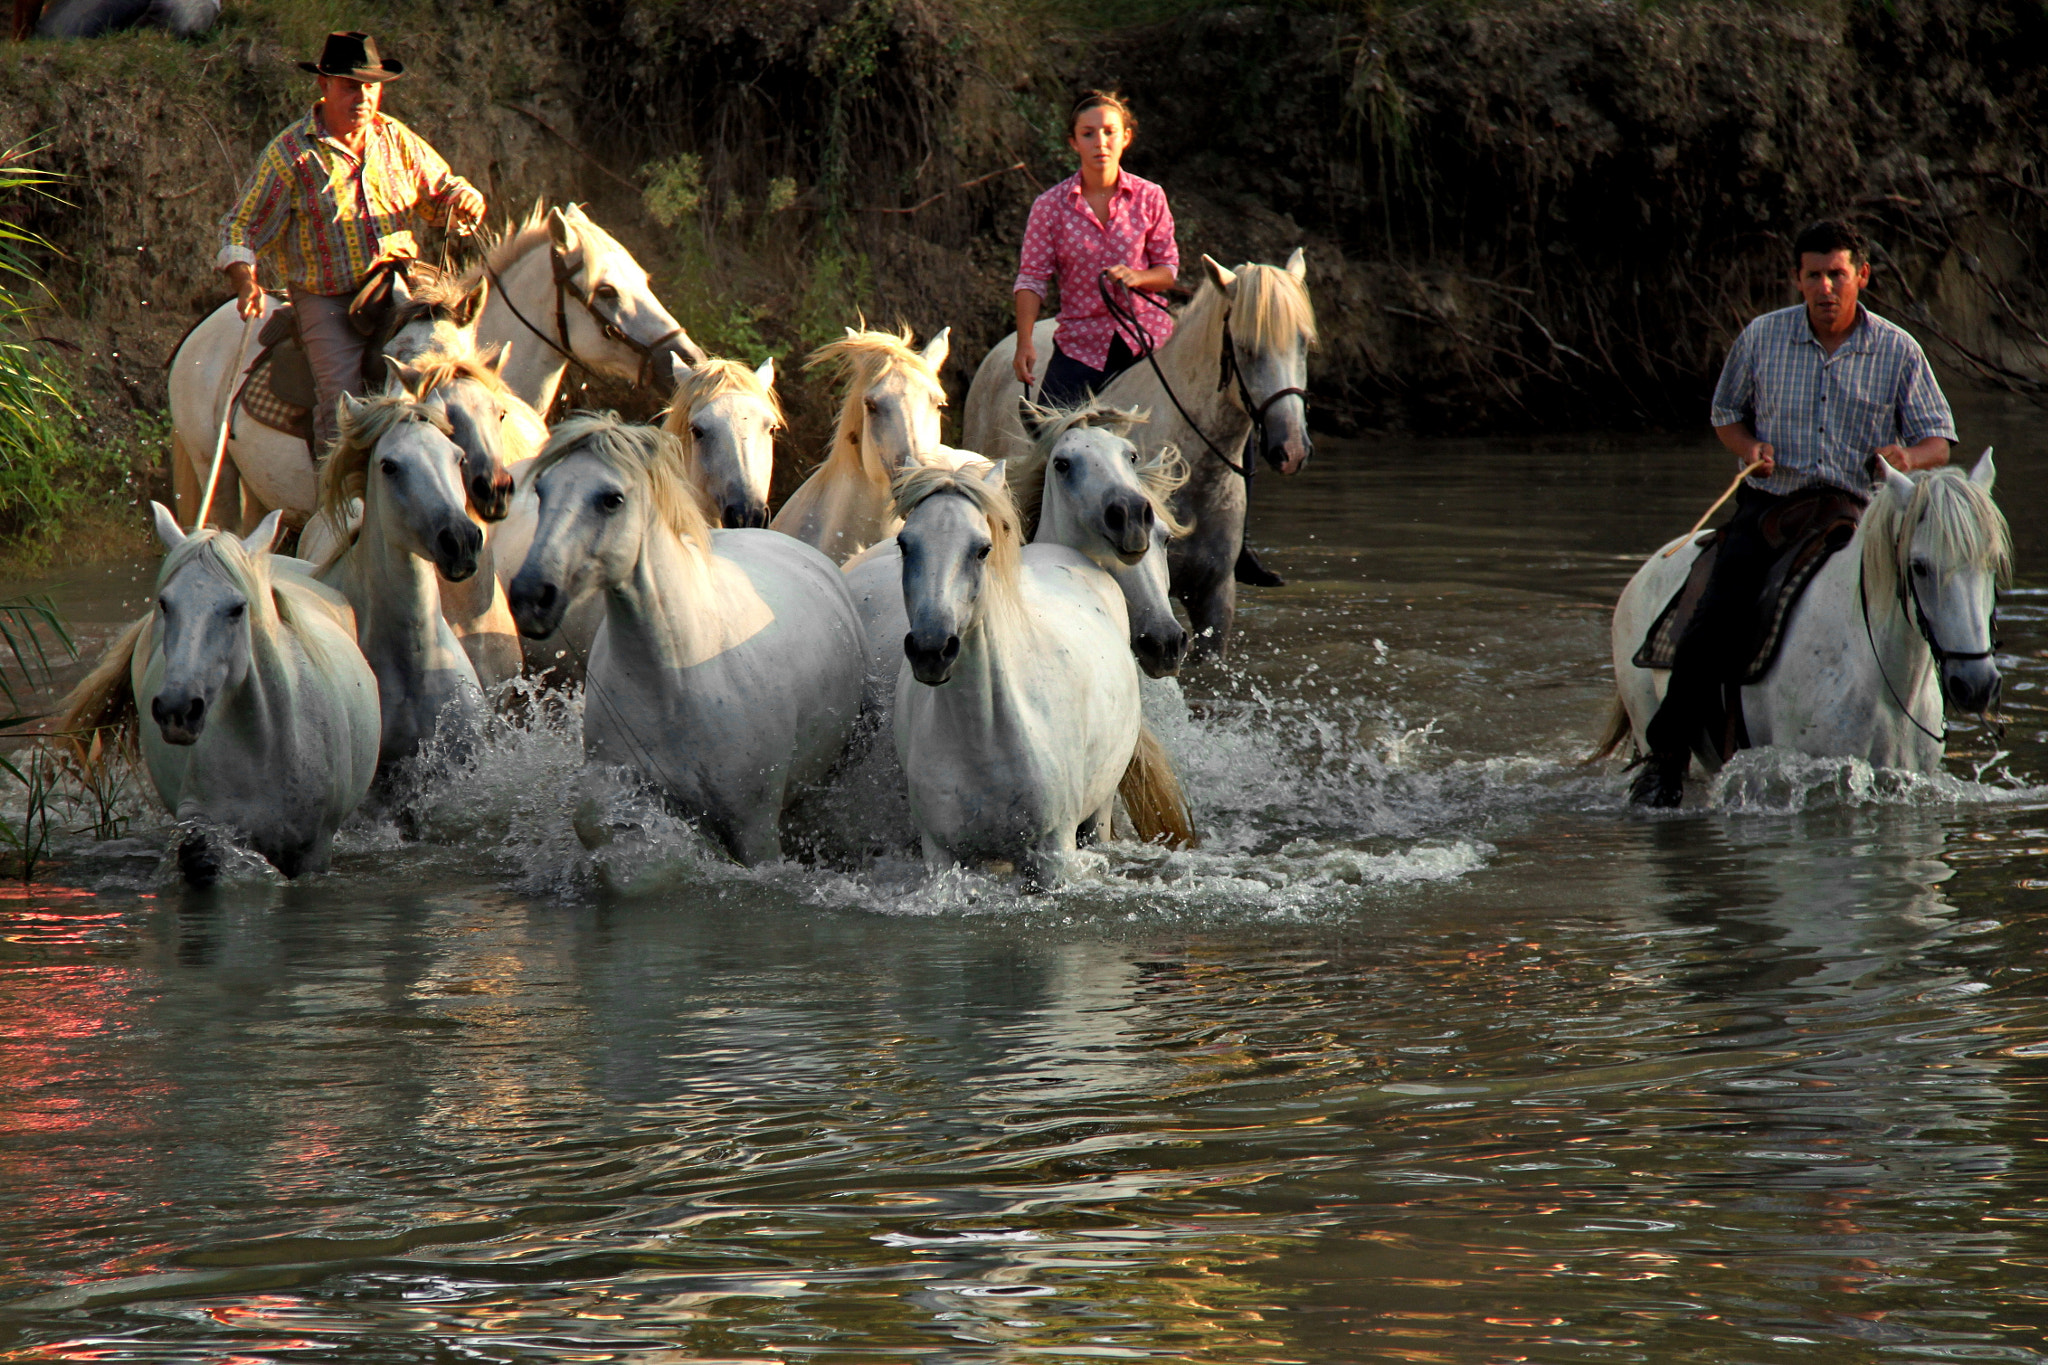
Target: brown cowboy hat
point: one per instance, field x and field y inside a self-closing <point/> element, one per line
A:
<point x="354" y="55"/>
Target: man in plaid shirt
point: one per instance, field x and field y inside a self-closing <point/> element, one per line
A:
<point x="1812" y="396"/>
<point x="334" y="196"/>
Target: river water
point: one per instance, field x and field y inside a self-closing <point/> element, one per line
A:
<point x="1435" y="1051"/>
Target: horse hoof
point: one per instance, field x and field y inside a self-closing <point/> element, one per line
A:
<point x="198" y="860"/>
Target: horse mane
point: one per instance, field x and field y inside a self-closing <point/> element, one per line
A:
<point x="647" y="453"/>
<point x="713" y="378"/>
<point x="857" y="360"/>
<point x="347" y="471"/>
<point x="916" y="485"/>
<point x="430" y="373"/>
<point x="1267" y="307"/>
<point x="1161" y="471"/>
<point x="1967" y="526"/>
<point x="517" y="238"/>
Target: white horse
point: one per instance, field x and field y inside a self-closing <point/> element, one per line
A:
<point x="728" y="667"/>
<point x="727" y="417"/>
<point x="565" y="289"/>
<point x="888" y="422"/>
<point x="1017" y="717"/>
<point x="1890" y="625"/>
<point x="264" y="713"/>
<point x="1252" y="326"/>
<point x="396" y="456"/>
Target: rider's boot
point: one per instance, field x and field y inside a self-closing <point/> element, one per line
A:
<point x="1660" y="782"/>
<point x="1249" y="570"/>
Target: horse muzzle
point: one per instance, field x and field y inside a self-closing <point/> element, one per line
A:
<point x="456" y="547"/>
<point x="1971" y="685"/>
<point x="181" y="719"/>
<point x="750" y="513"/>
<point x="931" y="664"/>
<point x="490" y="496"/>
<point x="1160" y="653"/>
<point x="537" y="606"/>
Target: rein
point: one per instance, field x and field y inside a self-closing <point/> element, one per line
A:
<point x="566" y="288"/>
<point x="1918" y="617"/>
<point x="1127" y="317"/>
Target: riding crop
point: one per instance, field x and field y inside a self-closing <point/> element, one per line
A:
<point x="1747" y="470"/>
<point x="220" y="443"/>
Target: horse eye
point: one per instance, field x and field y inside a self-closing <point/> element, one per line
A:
<point x="1063" y="465"/>
<point x="611" y="500"/>
<point x="234" y="613"/>
<point x="390" y="468"/>
<point x="871" y="405"/>
<point x="982" y="553"/>
<point x="697" y="431"/>
<point x="605" y="291"/>
<point x="1920" y="567"/>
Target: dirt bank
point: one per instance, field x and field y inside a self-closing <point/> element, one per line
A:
<point x="1518" y="215"/>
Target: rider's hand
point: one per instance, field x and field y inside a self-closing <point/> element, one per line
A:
<point x="1897" y="456"/>
<point x="1123" y="275"/>
<point x="466" y="212"/>
<point x="1025" y="361"/>
<point x="248" y="293"/>
<point x="1763" y="461"/>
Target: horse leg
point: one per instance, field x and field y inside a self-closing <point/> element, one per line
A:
<point x="936" y="859"/>
<point x="1099" y="827"/>
<point x="1044" y="868"/>
<point x="185" y="486"/>
<point x="1212" y="606"/>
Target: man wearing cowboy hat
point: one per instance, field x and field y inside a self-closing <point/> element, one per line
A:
<point x="333" y="196"/>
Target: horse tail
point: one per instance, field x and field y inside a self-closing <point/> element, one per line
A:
<point x="1617" y="730"/>
<point x="1152" y="795"/>
<point x="104" y="699"/>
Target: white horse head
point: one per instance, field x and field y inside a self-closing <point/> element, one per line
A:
<point x="212" y="592"/>
<point x="603" y="485"/>
<point x="961" y="543"/>
<point x="1271" y="326"/>
<point x="889" y="420"/>
<point x="1939" y="546"/>
<point x="726" y="417"/>
<point x="438" y="321"/>
<point x="396" y="453"/>
<point x="1086" y="485"/>
<point x="471" y="395"/>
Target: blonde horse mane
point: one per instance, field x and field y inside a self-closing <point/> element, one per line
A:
<point x="347" y="471"/>
<point x="713" y="378"/>
<point x="1161" y="471"/>
<point x="857" y="360"/>
<point x="517" y="238"/>
<point x="646" y="453"/>
<point x="1267" y="307"/>
<point x="1968" y="530"/>
<point x="911" y="487"/>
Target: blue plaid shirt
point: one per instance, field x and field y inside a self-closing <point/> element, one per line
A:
<point x="1826" y="415"/>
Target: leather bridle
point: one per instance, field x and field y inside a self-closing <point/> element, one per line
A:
<point x="566" y="288"/>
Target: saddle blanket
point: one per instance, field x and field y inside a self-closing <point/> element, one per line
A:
<point x="1805" y="530"/>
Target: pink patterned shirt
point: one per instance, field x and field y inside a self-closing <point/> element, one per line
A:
<point x="1065" y="239"/>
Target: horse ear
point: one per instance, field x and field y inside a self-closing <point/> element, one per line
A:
<point x="471" y="306"/>
<point x="166" y="526"/>
<point x="936" y="350"/>
<point x="1221" y="276"/>
<point x="678" y="371"/>
<point x="402" y="377"/>
<point x="1033" y="415"/>
<point x="259" y="541"/>
<point x="494" y="356"/>
<point x="1985" y="473"/>
<point x="996" y="477"/>
<point x="1297" y="264"/>
<point x="560" y="232"/>
<point x="1900" y="484"/>
<point x="766" y="374"/>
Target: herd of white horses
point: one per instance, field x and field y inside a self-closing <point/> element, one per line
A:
<point x="949" y="637"/>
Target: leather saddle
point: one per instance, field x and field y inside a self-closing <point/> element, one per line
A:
<point x="278" y="389"/>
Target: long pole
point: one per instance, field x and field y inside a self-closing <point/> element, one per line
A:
<point x="220" y="442"/>
<point x="1687" y="537"/>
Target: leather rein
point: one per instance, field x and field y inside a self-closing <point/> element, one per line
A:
<point x="567" y="288"/>
<point x="1909" y="606"/>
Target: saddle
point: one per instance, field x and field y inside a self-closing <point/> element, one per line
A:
<point x="278" y="389"/>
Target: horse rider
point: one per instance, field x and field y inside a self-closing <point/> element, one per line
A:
<point x="334" y="198"/>
<point x="1811" y="397"/>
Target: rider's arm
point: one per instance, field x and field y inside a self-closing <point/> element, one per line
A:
<point x="445" y="198"/>
<point x="1925" y="422"/>
<point x="1746" y="447"/>
<point x="1735" y="400"/>
<point x="1036" y="262"/>
<point x="257" y="217"/>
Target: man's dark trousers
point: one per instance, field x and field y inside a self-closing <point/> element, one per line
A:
<point x="1722" y="638"/>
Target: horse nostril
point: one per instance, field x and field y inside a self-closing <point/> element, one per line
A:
<point x="952" y="649"/>
<point x="733" y="514"/>
<point x="1114" y="516"/>
<point x="544" y="597"/>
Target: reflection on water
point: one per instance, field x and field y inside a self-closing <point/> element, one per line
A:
<point x="1434" y="1052"/>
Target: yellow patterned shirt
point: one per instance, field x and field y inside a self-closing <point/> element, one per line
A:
<point x="324" y="216"/>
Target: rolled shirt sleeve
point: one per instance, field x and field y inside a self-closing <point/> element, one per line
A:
<point x="1923" y="408"/>
<point x="1735" y="394"/>
<point x="259" y="215"/>
<point x="1160" y="247"/>
<point x="1038" y="259"/>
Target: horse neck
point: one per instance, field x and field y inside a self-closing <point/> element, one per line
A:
<point x="991" y="687"/>
<point x="1191" y="366"/>
<point x="664" y="612"/>
<point x="535" y="368"/>
<point x="396" y="594"/>
<point x="1058" y="522"/>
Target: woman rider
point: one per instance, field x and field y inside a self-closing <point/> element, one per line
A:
<point x="1102" y="220"/>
